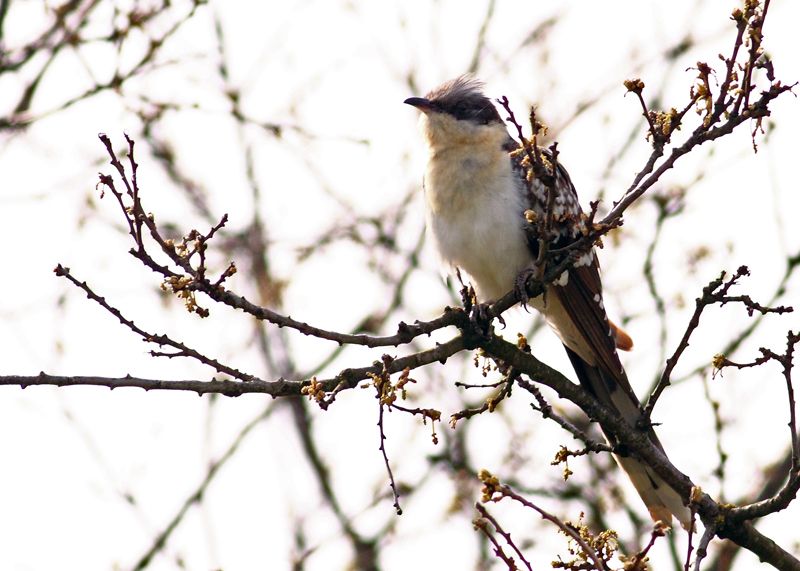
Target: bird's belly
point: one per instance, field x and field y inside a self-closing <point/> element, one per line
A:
<point x="485" y="239"/>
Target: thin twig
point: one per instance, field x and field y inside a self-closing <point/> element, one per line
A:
<point x="506" y="491"/>
<point x="716" y="292"/>
<point x="181" y="350"/>
<point x="547" y="411"/>
<point x="702" y="546"/>
<point x="196" y="497"/>
<point x="506" y="535"/>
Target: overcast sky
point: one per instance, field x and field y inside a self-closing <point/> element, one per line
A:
<point x="333" y="76"/>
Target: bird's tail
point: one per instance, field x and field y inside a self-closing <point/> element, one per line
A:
<point x="661" y="500"/>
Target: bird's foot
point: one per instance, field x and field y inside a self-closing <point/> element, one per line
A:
<point x="521" y="285"/>
<point x="481" y="319"/>
<point x="480" y="314"/>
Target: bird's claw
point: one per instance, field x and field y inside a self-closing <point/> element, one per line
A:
<point x="480" y="314"/>
<point x="481" y="319"/>
<point x="521" y="286"/>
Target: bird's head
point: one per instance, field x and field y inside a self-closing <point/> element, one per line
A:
<point x="458" y="113"/>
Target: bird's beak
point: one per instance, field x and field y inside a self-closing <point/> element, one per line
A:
<point x="420" y="103"/>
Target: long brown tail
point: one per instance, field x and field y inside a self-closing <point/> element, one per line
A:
<point x="661" y="500"/>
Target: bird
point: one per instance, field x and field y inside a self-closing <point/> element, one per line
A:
<point x="482" y="210"/>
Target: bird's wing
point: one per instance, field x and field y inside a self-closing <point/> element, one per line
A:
<point x="582" y="300"/>
<point x="579" y="314"/>
<point x="575" y="310"/>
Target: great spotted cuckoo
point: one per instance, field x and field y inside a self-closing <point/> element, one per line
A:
<point x="483" y="208"/>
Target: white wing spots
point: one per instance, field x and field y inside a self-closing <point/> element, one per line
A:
<point x="563" y="279"/>
<point x="539" y="191"/>
<point x="585" y="260"/>
<point x="599" y="301"/>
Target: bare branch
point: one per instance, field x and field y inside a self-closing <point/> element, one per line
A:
<point x="716" y="292"/>
<point x="507" y="536"/>
<point x="181" y="350"/>
<point x="494" y="491"/>
<point x="227" y="388"/>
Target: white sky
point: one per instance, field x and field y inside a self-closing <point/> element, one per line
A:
<point x="338" y="69"/>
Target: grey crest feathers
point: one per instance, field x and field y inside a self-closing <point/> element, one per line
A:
<point x="463" y="98"/>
